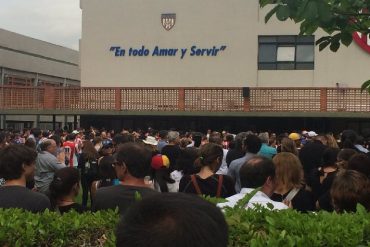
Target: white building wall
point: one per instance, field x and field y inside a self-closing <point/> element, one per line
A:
<point x="207" y="23"/>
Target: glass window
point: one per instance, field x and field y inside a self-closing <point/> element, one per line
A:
<point x="267" y="53"/>
<point x="285" y="53"/>
<point x="289" y="52"/>
<point x="305" y="53"/>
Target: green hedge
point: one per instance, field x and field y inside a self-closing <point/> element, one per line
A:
<point x="258" y="227"/>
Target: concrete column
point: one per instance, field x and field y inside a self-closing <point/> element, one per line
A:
<point x="37" y="123"/>
<point x="2" y="121"/>
<point x="2" y="76"/>
<point x="36" y="82"/>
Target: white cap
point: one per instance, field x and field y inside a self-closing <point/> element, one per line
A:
<point x="312" y="134"/>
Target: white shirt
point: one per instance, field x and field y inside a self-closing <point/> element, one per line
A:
<point x="259" y="198"/>
<point x="223" y="168"/>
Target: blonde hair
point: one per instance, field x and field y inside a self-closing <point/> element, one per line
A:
<point x="332" y="143"/>
<point x="288" y="170"/>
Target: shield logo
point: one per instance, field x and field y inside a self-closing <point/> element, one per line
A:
<point x="168" y="21"/>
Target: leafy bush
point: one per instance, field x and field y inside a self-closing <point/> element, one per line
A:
<point x="258" y="227"/>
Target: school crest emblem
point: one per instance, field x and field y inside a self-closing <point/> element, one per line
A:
<point x="168" y="21"/>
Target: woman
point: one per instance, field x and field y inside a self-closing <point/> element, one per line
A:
<point x="106" y="173"/>
<point x="63" y="190"/>
<point x="289" y="178"/>
<point x="288" y="145"/>
<point x="321" y="179"/>
<point x="206" y="182"/>
<point x="87" y="163"/>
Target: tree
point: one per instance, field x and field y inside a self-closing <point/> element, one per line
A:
<point x="338" y="18"/>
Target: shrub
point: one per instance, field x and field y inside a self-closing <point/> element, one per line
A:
<point x="258" y="227"/>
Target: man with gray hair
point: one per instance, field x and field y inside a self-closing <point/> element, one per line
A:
<point x="46" y="165"/>
<point x="172" y="149"/>
<point x="266" y="150"/>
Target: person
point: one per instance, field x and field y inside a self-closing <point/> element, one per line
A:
<point x="237" y="151"/>
<point x="311" y="154"/>
<point x="360" y="162"/>
<point x="288" y="145"/>
<point x="217" y="139"/>
<point x="132" y="165"/>
<point x="296" y="138"/>
<point x="162" y="140"/>
<point x="257" y="172"/>
<point x="47" y="164"/>
<point x="172" y="149"/>
<point x="266" y="150"/>
<point x="349" y="188"/>
<point x="289" y="183"/>
<point x="343" y="157"/>
<point x="161" y="174"/>
<point x="63" y="191"/>
<point x="88" y="165"/>
<point x="17" y="166"/>
<point x="106" y="175"/>
<point x="70" y="150"/>
<point x="172" y="219"/>
<point x="207" y="182"/>
<point x="252" y="144"/>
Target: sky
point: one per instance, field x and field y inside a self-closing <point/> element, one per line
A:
<point x="54" y="21"/>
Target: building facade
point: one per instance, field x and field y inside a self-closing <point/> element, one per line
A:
<point x="212" y="43"/>
<point x="25" y="61"/>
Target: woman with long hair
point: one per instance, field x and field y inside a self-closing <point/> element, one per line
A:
<point x="207" y="182"/>
<point x="289" y="183"/>
<point x="64" y="189"/>
<point x="88" y="165"/>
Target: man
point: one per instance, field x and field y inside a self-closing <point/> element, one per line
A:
<point x="17" y="166"/>
<point x="172" y="149"/>
<point x="266" y="150"/>
<point x="252" y="144"/>
<point x="70" y="150"/>
<point x="132" y="166"/>
<point x="46" y="165"/>
<point x="173" y="219"/>
<point x="162" y="140"/>
<point x="256" y="172"/>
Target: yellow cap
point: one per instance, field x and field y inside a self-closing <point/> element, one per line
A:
<point x="294" y="136"/>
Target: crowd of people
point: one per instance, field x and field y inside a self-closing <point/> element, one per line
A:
<point x="136" y="170"/>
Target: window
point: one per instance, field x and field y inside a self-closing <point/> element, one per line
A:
<point x="286" y="52"/>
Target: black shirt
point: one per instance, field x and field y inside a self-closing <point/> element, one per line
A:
<point x="208" y="186"/>
<point x="121" y="196"/>
<point x="75" y="206"/>
<point x="303" y="201"/>
<point x="172" y="152"/>
<point x="21" y="197"/>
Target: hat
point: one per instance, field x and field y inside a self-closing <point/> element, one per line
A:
<point x="150" y="140"/>
<point x="159" y="161"/>
<point x="312" y="134"/>
<point x="294" y="136"/>
<point x="75" y="132"/>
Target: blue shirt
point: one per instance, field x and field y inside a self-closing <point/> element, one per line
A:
<point x="267" y="151"/>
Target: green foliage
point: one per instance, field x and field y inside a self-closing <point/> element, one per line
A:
<point x="258" y="227"/>
<point x="19" y="228"/>
<point x="338" y="18"/>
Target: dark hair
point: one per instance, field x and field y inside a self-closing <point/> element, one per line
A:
<point x="197" y="138"/>
<point x="348" y="139"/>
<point x="329" y="157"/>
<point x="119" y="139"/>
<point x="349" y="188"/>
<point x="208" y="154"/>
<point x="215" y="138"/>
<point x="252" y="144"/>
<point x="163" y="134"/>
<point x="254" y="172"/>
<point x="360" y="162"/>
<point x="57" y="139"/>
<point x="36" y="132"/>
<point x="30" y="143"/>
<point x="136" y="158"/>
<point x="62" y="184"/>
<point x="70" y="137"/>
<point x="106" y="170"/>
<point x="12" y="159"/>
<point x="45" y="133"/>
<point x="186" y="161"/>
<point x="172" y="219"/>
